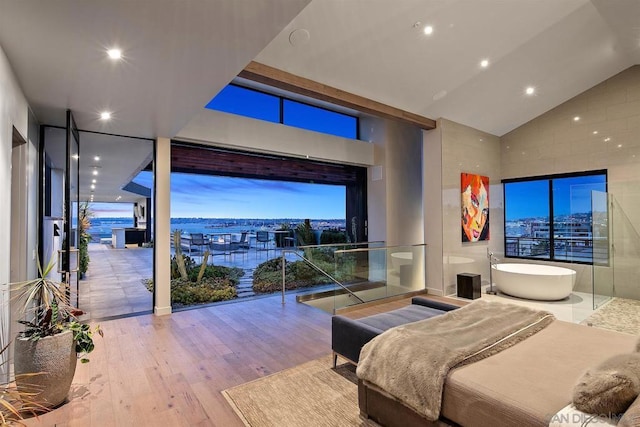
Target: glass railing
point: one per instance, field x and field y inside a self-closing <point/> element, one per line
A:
<point x="349" y="275"/>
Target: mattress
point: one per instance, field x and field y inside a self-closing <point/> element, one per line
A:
<point x="528" y="383"/>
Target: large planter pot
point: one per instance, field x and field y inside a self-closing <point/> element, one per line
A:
<point x="53" y="359"/>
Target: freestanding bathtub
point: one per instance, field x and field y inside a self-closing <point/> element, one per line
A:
<point x="534" y="281"/>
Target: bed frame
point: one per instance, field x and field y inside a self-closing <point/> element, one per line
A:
<point x="387" y="411"/>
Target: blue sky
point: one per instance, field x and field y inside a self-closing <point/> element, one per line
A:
<point x="203" y="196"/>
<point x="531" y="198"/>
<point x="112" y="210"/>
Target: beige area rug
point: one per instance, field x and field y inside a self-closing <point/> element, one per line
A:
<point x="312" y="394"/>
<point x="619" y="314"/>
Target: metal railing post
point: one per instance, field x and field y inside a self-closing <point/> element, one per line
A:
<point x="283" y="275"/>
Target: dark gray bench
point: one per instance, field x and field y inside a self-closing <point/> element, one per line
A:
<point x="349" y="335"/>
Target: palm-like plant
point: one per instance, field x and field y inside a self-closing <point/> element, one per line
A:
<point x="13" y="402"/>
<point x="45" y="303"/>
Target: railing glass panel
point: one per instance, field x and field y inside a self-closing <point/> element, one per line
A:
<point x="376" y="273"/>
<point x="616" y="253"/>
<point x="350" y="274"/>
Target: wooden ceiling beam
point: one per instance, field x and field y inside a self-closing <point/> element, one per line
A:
<point x="270" y="76"/>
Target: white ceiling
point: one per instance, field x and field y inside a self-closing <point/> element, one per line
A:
<point x="371" y="48"/>
<point x="179" y="53"/>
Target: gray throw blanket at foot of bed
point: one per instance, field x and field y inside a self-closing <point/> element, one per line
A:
<point x="411" y="362"/>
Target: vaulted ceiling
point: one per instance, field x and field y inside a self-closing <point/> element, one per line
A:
<point x="177" y="54"/>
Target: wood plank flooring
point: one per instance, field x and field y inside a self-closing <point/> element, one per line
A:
<point x="169" y="371"/>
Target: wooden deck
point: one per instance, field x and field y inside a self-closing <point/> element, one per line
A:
<point x="169" y="371"/>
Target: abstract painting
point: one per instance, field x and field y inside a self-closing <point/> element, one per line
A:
<point x="475" y="207"/>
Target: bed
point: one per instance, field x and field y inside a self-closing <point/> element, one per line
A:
<point x="527" y="384"/>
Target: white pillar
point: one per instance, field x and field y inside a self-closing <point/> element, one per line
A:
<point x="163" y="227"/>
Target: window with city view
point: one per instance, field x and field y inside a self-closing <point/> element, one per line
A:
<point x="550" y="217"/>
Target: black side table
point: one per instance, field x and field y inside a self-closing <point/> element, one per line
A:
<point x="469" y="285"/>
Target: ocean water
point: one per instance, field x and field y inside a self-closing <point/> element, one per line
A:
<point x="101" y="227"/>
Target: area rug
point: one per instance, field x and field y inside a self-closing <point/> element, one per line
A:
<point x="312" y="394"/>
<point x="619" y="314"/>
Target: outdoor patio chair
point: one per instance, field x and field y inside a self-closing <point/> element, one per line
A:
<point x="262" y="238"/>
<point x="241" y="246"/>
<point x="197" y="240"/>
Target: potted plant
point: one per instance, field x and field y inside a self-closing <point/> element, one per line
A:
<point x="52" y="341"/>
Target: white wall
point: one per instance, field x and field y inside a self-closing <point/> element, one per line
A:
<point x="394" y="184"/>
<point x="555" y="143"/>
<point x="13" y="113"/>
<point x="230" y="130"/>
<point x="461" y="149"/>
<point x="432" y="199"/>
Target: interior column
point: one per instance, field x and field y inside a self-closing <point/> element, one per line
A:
<point x="162" y="180"/>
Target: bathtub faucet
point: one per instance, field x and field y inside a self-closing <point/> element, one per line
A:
<point x="493" y="260"/>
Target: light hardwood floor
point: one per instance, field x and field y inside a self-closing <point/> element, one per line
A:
<point x="169" y="371"/>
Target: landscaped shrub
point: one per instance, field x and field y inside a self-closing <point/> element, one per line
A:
<point x="332" y="236"/>
<point x="186" y="292"/>
<point x="217" y="284"/>
<point x="305" y="234"/>
<point x="267" y="277"/>
<point x="188" y="262"/>
<point x="217" y="272"/>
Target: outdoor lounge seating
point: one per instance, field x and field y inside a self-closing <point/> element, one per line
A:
<point x="241" y="246"/>
<point x="262" y="238"/>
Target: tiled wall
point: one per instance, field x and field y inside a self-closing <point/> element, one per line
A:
<point x="463" y="149"/>
<point x="606" y="136"/>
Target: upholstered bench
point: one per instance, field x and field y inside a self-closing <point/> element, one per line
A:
<point x="349" y="335"/>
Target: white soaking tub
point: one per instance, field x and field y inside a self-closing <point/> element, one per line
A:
<point x="534" y="281"/>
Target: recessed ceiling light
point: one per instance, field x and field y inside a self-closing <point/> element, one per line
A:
<point x="114" y="53"/>
<point x="93" y="181"/>
<point x="576" y="119"/>
<point x="95" y="172"/>
<point x="530" y="90"/>
<point x="96" y="158"/>
<point x="595" y="132"/>
<point x="619" y="145"/>
<point x="607" y="139"/>
<point x="484" y="63"/>
<point x="105" y="115"/>
<point x="93" y="187"/>
<point x="428" y="30"/>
